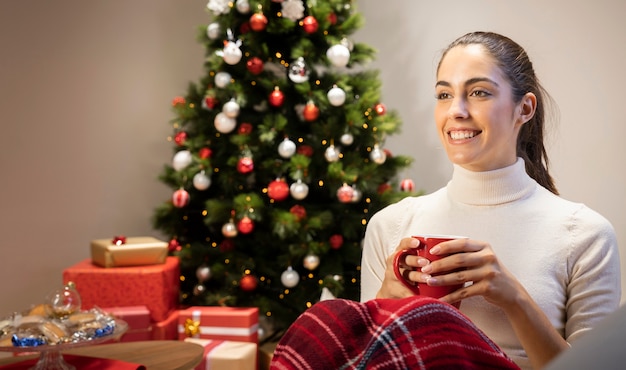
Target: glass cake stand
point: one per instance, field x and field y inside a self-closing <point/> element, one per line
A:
<point x="50" y="357"/>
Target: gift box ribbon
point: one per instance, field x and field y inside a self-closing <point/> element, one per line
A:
<point x="192" y="328"/>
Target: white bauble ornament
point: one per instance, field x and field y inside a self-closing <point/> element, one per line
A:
<point x="231" y="108"/>
<point x="222" y="79"/>
<point x="311" y="262"/>
<point x="181" y="159"/>
<point x="201" y="181"/>
<point x="336" y="96"/>
<point x="338" y="55"/>
<point x="332" y="154"/>
<point x="203" y="273"/>
<point x="347" y="139"/>
<point x="224" y="124"/>
<point x="356" y="194"/>
<point x="287" y="148"/>
<point x="199" y="289"/>
<point x="299" y="71"/>
<point x="229" y="229"/>
<point x="243" y="6"/>
<point x="289" y="278"/>
<point x="293" y="9"/>
<point x="299" y="190"/>
<point x="213" y="31"/>
<point x="378" y="155"/>
<point x="232" y="54"/>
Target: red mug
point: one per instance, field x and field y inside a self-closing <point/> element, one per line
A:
<point x="423" y="250"/>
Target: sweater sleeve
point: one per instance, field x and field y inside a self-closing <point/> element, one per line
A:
<point x="594" y="289"/>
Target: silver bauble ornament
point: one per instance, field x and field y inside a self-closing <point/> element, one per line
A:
<point x="201" y="181"/>
<point x="243" y="6"/>
<point x="224" y="124"/>
<point x="289" y="278"/>
<point x="338" y="55"/>
<point x="231" y="108"/>
<point x="231" y="53"/>
<point x="287" y="148"/>
<point x="378" y="155"/>
<point x="332" y="154"/>
<point x="347" y="139"/>
<point x="213" y="31"/>
<point x="299" y="190"/>
<point x="222" y="79"/>
<point x="299" y="71"/>
<point x="311" y="262"/>
<point x="203" y="273"/>
<point x="229" y="229"/>
<point x="336" y="96"/>
<point x="198" y="289"/>
<point x="181" y="160"/>
<point x="356" y="194"/>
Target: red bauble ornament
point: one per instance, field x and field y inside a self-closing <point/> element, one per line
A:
<point x="278" y="190"/>
<point x="119" y="240"/>
<point x="210" y="101"/>
<point x="244" y="28"/>
<point x="310" y="112"/>
<point x="227" y="245"/>
<point x="178" y="101"/>
<point x="205" y="153"/>
<point x="276" y="98"/>
<point x="298" y="211"/>
<point x="407" y="185"/>
<point x="258" y="22"/>
<point x="248" y="283"/>
<point x="383" y="187"/>
<point x="245" y="165"/>
<point x="332" y="18"/>
<point x="245" y="225"/>
<point x="344" y="193"/>
<point x="245" y="128"/>
<point x="180" y="138"/>
<point x="180" y="198"/>
<point x="309" y="24"/>
<point x="336" y="241"/>
<point x="305" y="150"/>
<point x="380" y="109"/>
<point x="255" y="65"/>
<point x="173" y="245"/>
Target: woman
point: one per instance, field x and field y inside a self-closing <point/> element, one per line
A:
<point x="539" y="271"/>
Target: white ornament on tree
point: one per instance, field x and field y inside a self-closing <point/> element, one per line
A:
<point x="286" y="148"/>
<point x="293" y="9"/>
<point x="289" y="278"/>
<point x="231" y="53"/>
<point x="181" y="160"/>
<point x="378" y="155"/>
<point x="222" y="79"/>
<point x="203" y="273"/>
<point x="231" y="108"/>
<point x="311" y="261"/>
<point x="213" y="31"/>
<point x="299" y="190"/>
<point x="332" y="153"/>
<point x="224" y="124"/>
<point x="338" y="55"/>
<point x="243" y="6"/>
<point x="229" y="229"/>
<point x="299" y="71"/>
<point x="201" y="181"/>
<point x="356" y="194"/>
<point x="218" y="6"/>
<point x="347" y="139"/>
<point x="336" y="96"/>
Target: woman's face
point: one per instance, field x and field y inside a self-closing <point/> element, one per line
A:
<point x="477" y="119"/>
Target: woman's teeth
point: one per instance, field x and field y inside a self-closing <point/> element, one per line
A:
<point x="459" y="135"/>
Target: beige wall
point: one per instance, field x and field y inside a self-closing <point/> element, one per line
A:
<point x="85" y="88"/>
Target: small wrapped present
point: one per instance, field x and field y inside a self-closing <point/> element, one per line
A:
<point x="225" y="354"/>
<point x="138" y="320"/>
<point x="133" y="251"/>
<point x="166" y="329"/>
<point x="154" y="286"/>
<point x="220" y="323"/>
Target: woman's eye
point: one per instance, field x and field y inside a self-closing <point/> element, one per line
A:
<point x="479" y="93"/>
<point x="442" y="96"/>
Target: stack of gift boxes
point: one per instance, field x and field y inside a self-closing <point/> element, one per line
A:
<point x="135" y="280"/>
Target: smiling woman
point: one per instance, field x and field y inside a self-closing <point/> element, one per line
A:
<point x="538" y="270"/>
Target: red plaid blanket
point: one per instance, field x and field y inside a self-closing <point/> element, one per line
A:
<point x="410" y="333"/>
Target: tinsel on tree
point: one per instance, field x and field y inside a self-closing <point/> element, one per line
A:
<point x="279" y="158"/>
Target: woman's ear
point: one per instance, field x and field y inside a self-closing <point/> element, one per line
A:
<point x="527" y="105"/>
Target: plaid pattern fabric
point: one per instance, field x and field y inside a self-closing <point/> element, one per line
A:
<point x="411" y="333"/>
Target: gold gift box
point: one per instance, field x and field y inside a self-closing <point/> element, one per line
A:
<point x="136" y="251"/>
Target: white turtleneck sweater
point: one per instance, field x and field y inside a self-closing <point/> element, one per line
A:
<point x="563" y="253"/>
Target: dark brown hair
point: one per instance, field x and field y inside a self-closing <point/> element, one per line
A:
<point x="518" y="69"/>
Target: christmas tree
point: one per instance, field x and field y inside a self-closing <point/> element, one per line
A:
<point x="279" y="158"/>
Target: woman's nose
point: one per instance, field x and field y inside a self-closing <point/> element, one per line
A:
<point x="458" y="109"/>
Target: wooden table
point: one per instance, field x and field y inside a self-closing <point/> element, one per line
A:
<point x="153" y="354"/>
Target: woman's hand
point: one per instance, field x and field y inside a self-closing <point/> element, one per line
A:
<point x="391" y="286"/>
<point x="479" y="265"/>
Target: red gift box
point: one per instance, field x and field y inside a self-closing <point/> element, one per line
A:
<point x="225" y="354"/>
<point x="155" y="286"/>
<point x="138" y="320"/>
<point x="166" y="329"/>
<point x="222" y="323"/>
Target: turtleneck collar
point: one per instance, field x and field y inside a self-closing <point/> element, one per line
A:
<point x="491" y="188"/>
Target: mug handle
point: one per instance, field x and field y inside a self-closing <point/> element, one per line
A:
<point x="396" y="269"/>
